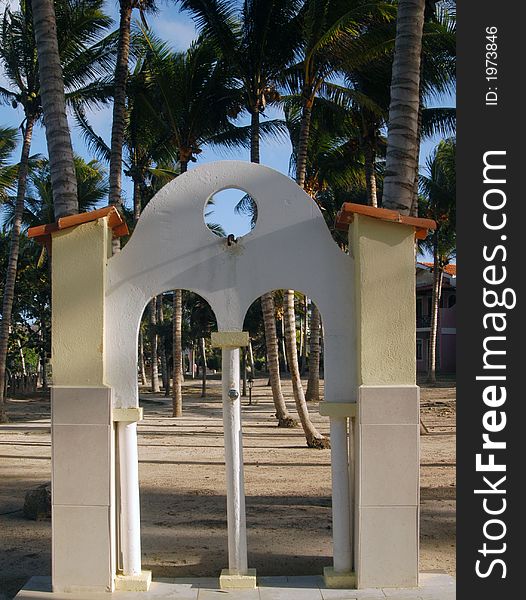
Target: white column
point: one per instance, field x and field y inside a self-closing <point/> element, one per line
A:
<point x="130" y="519"/>
<point x="341" y="505"/>
<point x="237" y="534"/>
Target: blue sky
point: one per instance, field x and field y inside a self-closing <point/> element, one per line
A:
<point x="178" y="29"/>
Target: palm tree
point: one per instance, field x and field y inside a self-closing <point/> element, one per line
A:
<point x="39" y="208"/>
<point x="332" y="33"/>
<point x="119" y="92"/>
<point x="313" y="436"/>
<point x="8" y="171"/>
<point x="192" y="94"/>
<point x="53" y="101"/>
<point x="329" y="29"/>
<point x="257" y="41"/>
<point x="438" y="202"/>
<point x="402" y="139"/>
<point x="8" y="141"/>
<point x="92" y="187"/>
<point x="82" y="53"/>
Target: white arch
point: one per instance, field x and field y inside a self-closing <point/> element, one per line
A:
<point x="289" y="248"/>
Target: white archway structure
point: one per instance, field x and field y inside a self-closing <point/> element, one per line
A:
<point x="172" y="248"/>
<point x="368" y="304"/>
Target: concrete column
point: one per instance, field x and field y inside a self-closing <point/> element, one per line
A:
<point x="238" y="575"/>
<point x="130" y="519"/>
<point x="341" y="506"/>
<point x="341" y="574"/>
<point x="83" y="534"/>
<point x="387" y="433"/>
<point x="235" y="489"/>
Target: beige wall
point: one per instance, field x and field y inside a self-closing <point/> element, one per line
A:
<point x="78" y="287"/>
<point x="385" y="301"/>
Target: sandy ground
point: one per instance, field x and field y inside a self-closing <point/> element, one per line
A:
<point x="183" y="491"/>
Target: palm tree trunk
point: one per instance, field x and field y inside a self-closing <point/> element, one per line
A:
<point x="251" y="360"/>
<point x="191" y="358"/>
<point x="401" y="162"/>
<point x="203" y="374"/>
<point x="269" y="315"/>
<point x="119" y="102"/>
<point x="303" y="352"/>
<point x="178" y="374"/>
<point x="312" y="435"/>
<point x="244" y="372"/>
<point x="22" y="357"/>
<point x="12" y="261"/>
<point x="254" y="136"/>
<point x="370" y="173"/>
<point x="177" y="393"/>
<point x="136" y="201"/>
<point x="154" y="346"/>
<point x="62" y="167"/>
<point x="313" y="384"/>
<point x="283" y="345"/>
<point x="142" y="369"/>
<point x="165" y="377"/>
<point x="301" y="168"/>
<point x="435" y="304"/>
<point x="282" y="414"/>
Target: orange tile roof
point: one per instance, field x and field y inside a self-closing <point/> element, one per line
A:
<point x="349" y="209"/>
<point x="42" y="233"/>
<point x="450" y="269"/>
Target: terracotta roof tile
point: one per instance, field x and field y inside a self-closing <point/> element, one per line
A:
<point x="349" y="209"/>
<point x="42" y="233"/>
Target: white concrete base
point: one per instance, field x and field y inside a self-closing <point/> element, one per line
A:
<point x="433" y="586"/>
<point x="338" y="580"/>
<point x="230" y="580"/>
<point x="134" y="583"/>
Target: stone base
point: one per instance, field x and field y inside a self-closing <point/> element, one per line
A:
<point x="230" y="580"/>
<point x="133" y="583"/>
<point x="433" y="586"/>
<point x="339" y="579"/>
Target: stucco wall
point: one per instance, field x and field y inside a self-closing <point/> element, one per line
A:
<point x="172" y="248"/>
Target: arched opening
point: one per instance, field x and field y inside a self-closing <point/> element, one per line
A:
<point x="181" y="460"/>
<point x="287" y="484"/>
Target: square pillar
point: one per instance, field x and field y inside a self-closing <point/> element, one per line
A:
<point x="83" y="452"/>
<point x="387" y="430"/>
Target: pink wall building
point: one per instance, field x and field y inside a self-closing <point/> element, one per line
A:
<point x="447" y="327"/>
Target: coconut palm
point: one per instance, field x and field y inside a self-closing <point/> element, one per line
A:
<point x="82" y="55"/>
<point x="8" y="171"/>
<point x="54" y="109"/>
<point x="8" y="142"/>
<point x="402" y="139"/>
<point x="438" y="202"/>
<point x="191" y="97"/>
<point x="39" y="206"/>
<point x="257" y="40"/>
<point x="92" y="186"/>
<point x="119" y="91"/>
<point x="334" y="32"/>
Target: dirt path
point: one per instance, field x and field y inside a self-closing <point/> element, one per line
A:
<point x="182" y="488"/>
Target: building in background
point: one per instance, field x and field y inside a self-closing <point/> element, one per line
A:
<point x="447" y="325"/>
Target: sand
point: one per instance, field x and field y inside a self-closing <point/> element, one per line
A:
<point x="182" y="481"/>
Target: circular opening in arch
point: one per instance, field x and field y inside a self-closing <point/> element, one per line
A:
<point x="231" y="212"/>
